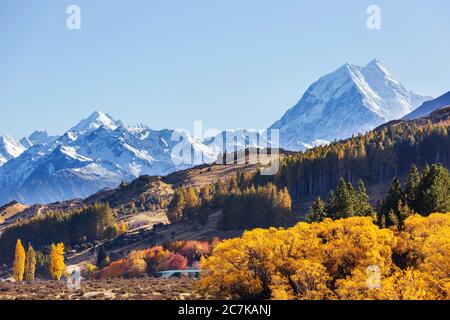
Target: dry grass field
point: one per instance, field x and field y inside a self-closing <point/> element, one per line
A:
<point x="109" y="289"/>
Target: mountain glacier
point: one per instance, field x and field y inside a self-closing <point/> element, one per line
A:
<point x="348" y="101"/>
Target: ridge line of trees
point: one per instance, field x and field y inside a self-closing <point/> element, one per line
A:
<point x="243" y="205"/>
<point x="424" y="193"/>
<point x="375" y="157"/>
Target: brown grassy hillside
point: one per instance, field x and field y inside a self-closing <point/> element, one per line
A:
<point x="10" y="210"/>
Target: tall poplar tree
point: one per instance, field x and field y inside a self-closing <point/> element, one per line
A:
<point x="57" y="266"/>
<point x="19" y="261"/>
<point x="30" y="264"/>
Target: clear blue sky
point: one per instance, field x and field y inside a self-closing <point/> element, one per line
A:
<point x="230" y="63"/>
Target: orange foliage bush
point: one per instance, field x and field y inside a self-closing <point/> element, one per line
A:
<point x="114" y="270"/>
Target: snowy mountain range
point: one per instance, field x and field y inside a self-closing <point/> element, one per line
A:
<point x="101" y="152"/>
<point x="348" y="101"/>
<point x="98" y="152"/>
<point x="11" y="148"/>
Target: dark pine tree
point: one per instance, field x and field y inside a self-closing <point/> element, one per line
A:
<point x="412" y="188"/>
<point x="434" y="190"/>
<point x="102" y="258"/>
<point x="317" y="212"/>
<point x="389" y="208"/>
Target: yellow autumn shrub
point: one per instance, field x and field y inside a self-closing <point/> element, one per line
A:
<point x="344" y="259"/>
<point x="243" y="265"/>
<point x="136" y="265"/>
<point x="425" y="245"/>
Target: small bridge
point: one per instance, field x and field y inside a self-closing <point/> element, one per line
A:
<point x="177" y="273"/>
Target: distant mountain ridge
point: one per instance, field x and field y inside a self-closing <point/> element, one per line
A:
<point x="348" y="101"/>
<point x="96" y="153"/>
<point x="11" y="148"/>
<point x="429" y="106"/>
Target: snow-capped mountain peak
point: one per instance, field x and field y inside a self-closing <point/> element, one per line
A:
<point x="376" y="64"/>
<point x="10" y="148"/>
<point x="96" y="120"/>
<point x="350" y="100"/>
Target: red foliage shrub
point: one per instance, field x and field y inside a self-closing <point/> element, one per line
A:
<point x="191" y="250"/>
<point x="175" y="262"/>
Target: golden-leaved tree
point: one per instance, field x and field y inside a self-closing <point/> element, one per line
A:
<point x="57" y="266"/>
<point x="19" y="262"/>
<point x="344" y="259"/>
